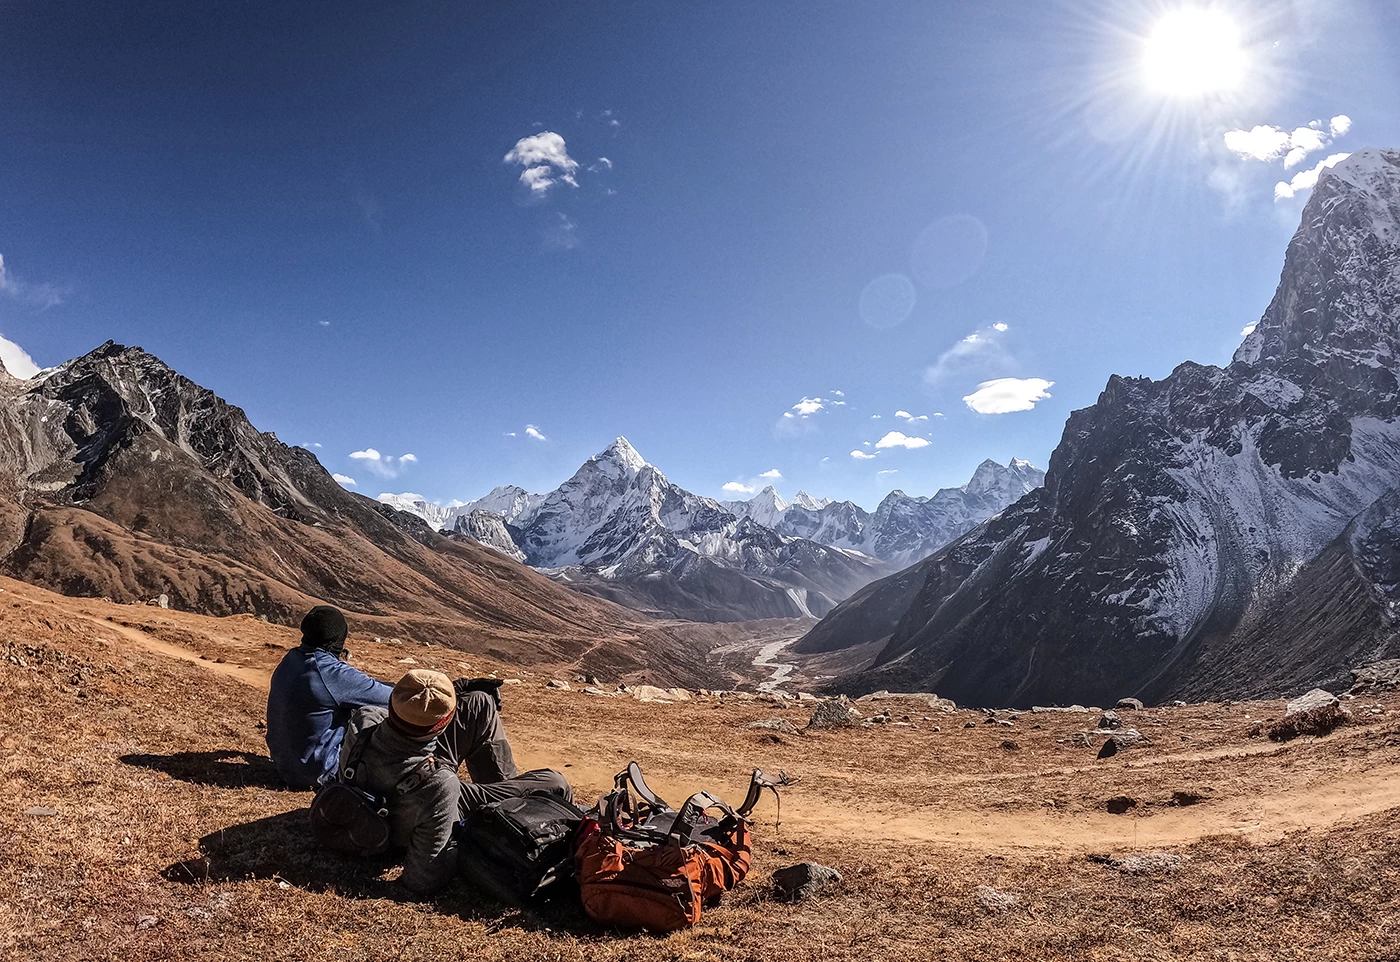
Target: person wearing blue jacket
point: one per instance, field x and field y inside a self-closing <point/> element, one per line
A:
<point x="313" y="693"/>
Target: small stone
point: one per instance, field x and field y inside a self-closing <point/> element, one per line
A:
<point x="970" y="724"/>
<point x="1178" y="703"/>
<point x="1129" y="704"/>
<point x="1120" y="804"/>
<point x="41" y="810"/>
<point x="1110" y="720"/>
<point x="558" y="684"/>
<point x="1152" y="863"/>
<point x="804" y="880"/>
<point x="996" y="900"/>
<point x="1006" y="723"/>
<point x="146" y="921"/>
<point x="781" y="725"/>
<point x="1010" y="746"/>
<point x="163" y="601"/>
<point x="1080" y="740"/>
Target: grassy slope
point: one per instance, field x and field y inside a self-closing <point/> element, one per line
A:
<point x="155" y="761"/>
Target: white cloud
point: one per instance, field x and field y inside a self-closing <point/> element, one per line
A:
<point x="787" y="414"/>
<point x="601" y="164"/>
<point x="1261" y="142"/>
<point x="904" y="414"/>
<point x="874" y="417"/>
<point x="808" y="406"/>
<point x="773" y="474"/>
<point x="865" y="444"/>
<point x="533" y="432"/>
<point x="344" y="480"/>
<point x="1248" y="329"/>
<point x="41" y="296"/>
<point x="888" y="471"/>
<point x="981" y="348"/>
<point x="546" y="160"/>
<point x="1306" y="179"/>
<point x="735" y="487"/>
<point x="1340" y="125"/>
<point x="839" y="393"/>
<point x="860" y="455"/>
<point x="17" y="361"/>
<point x="897" y="439"/>
<point x="324" y="323"/>
<point x="386" y="466"/>
<point x="510" y="434"/>
<point x="1004" y="395"/>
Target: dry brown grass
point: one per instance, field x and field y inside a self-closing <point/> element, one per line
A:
<point x="155" y="762"/>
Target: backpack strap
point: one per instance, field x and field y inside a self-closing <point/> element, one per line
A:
<point x="632" y="775"/>
<point x="359" y="742"/>
<point x="757" y="784"/>
<point x="694" y="809"/>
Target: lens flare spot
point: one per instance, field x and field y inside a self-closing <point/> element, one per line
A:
<point x="887" y="300"/>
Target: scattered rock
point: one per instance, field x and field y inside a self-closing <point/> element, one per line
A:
<point x="1153" y="863"/>
<point x="147" y="921"/>
<point x="1081" y="740"/>
<point x="41" y="810"/>
<point x="1316" y="713"/>
<point x="945" y="705"/>
<point x="1010" y="746"/>
<point x="1187" y="798"/>
<point x="996" y="900"/>
<point x="807" y="696"/>
<point x="970" y="724"/>
<point x="1178" y="703"/>
<point x="1122" y="741"/>
<point x="775" y="724"/>
<point x="681" y="694"/>
<point x="874" y="695"/>
<point x="881" y="719"/>
<point x="1120" y="804"/>
<point x="804" y="880"/>
<point x="650" y="693"/>
<point x="1381" y="676"/>
<point x="1110" y="720"/>
<point x="835" y="712"/>
<point x="558" y="684"/>
<point x="510" y="681"/>
<point x="1129" y="704"/>
<point x="1075" y="709"/>
<point x="590" y="690"/>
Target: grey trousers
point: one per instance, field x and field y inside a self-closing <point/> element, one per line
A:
<point x="477" y="737"/>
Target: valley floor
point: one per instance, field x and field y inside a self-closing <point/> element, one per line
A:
<point x="140" y="818"/>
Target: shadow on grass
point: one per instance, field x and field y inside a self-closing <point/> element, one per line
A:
<point x="281" y="847"/>
<point x="222" y="769"/>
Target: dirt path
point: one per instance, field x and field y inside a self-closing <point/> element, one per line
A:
<point x="256" y="677"/>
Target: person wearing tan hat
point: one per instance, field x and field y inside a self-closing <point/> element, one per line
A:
<point x="414" y="750"/>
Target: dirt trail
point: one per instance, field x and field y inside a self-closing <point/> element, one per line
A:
<point x="1261" y="818"/>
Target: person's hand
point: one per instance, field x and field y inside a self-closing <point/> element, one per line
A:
<point x="492" y="687"/>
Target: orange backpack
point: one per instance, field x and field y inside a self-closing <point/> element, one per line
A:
<point x="642" y="865"/>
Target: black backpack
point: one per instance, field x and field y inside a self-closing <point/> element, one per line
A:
<point x="517" y="849"/>
<point x="345" y="818"/>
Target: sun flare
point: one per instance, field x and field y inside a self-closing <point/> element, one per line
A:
<point x="1194" y="52"/>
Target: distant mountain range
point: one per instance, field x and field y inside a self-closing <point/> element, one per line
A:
<point x="618" y="528"/>
<point x="1222" y="532"/>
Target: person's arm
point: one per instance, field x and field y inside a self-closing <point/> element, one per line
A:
<point x="350" y="687"/>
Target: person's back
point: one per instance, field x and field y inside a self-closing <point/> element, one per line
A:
<point x="312" y="695"/>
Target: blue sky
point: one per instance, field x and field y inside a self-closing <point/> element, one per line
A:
<point x="314" y="216"/>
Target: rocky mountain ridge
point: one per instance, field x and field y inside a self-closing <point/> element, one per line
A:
<point x="1221" y="532"/>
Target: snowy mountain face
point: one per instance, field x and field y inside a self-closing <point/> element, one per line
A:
<point x="489" y="529"/>
<point x="620" y="528"/>
<point x="436" y="515"/>
<point x="1222" y="532"/>
<point x="514" y="505"/>
<point x="903" y="529"/>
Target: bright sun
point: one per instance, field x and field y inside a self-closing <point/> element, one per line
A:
<point x="1193" y="52"/>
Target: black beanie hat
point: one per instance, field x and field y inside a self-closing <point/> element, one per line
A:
<point x="324" y="627"/>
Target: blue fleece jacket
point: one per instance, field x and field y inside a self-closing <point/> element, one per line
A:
<point x="313" y="693"/>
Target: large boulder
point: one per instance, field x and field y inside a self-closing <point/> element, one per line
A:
<point x="835" y="712"/>
<point x="1122" y="741"/>
<point x="1110" y="720"/>
<point x="1316" y="713"/>
<point x="1129" y="704"/>
<point x="780" y="725"/>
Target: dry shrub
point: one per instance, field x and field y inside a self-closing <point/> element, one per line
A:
<point x="1314" y="721"/>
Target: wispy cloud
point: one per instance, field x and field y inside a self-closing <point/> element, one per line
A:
<point x="562" y="234"/>
<point x="1248" y="329"/>
<point x="910" y="417"/>
<point x="808" y="406"/>
<point x="860" y="455"/>
<point x="40" y="296"/>
<point x="344" y="480"/>
<point x="533" y="432"/>
<point x="898" y="439"/>
<point x="982" y="348"/>
<point x="17" y="360"/>
<point x="1005" y="395"/>
<point x="737" y="487"/>
<point x="546" y="161"/>
<point x="772" y="474"/>
<point x="386" y="466"/>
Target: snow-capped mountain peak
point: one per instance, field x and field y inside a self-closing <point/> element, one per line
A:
<point x="622" y="455"/>
<point x="804" y="500"/>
